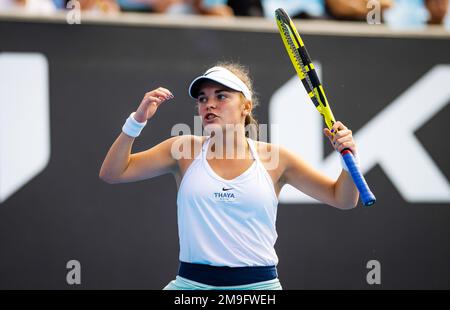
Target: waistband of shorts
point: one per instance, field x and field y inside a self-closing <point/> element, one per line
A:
<point x="226" y="276"/>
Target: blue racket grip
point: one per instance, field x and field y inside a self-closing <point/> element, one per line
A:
<point x="367" y="196"/>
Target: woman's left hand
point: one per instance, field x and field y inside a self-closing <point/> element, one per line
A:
<point x="342" y="138"/>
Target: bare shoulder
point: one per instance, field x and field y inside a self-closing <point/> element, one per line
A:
<point x="186" y="147"/>
<point x="273" y="156"/>
<point x="263" y="146"/>
<point x="278" y="157"/>
<point x="269" y="150"/>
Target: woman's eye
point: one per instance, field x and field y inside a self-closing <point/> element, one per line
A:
<point x="202" y="99"/>
<point x="221" y="97"/>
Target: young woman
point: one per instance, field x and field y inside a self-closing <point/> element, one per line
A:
<point x="227" y="205"/>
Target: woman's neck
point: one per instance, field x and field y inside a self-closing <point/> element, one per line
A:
<point x="229" y="144"/>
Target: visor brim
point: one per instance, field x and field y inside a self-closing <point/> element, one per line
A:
<point x="194" y="88"/>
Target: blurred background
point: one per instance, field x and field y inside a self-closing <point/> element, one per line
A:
<point x="72" y="71"/>
<point x="412" y="13"/>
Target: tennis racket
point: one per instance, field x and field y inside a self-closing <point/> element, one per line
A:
<point x="307" y="74"/>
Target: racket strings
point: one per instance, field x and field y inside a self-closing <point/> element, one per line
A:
<point x="298" y="59"/>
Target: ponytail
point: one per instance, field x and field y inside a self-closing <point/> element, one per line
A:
<point x="251" y="127"/>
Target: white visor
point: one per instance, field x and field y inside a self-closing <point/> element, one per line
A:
<point x="221" y="76"/>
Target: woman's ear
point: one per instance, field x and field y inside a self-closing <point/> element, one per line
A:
<point x="248" y="105"/>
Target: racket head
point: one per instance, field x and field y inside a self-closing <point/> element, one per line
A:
<point x="303" y="65"/>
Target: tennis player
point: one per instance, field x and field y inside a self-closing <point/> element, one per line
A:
<point x="227" y="205"/>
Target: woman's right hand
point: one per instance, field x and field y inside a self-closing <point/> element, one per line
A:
<point x="151" y="102"/>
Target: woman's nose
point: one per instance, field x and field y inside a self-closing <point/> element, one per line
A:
<point x="211" y="104"/>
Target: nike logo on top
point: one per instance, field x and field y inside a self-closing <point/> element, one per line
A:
<point x="226" y="189"/>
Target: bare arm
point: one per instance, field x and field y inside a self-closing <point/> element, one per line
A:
<point x="438" y="10"/>
<point x="106" y="6"/>
<point x="121" y="166"/>
<point x="354" y="9"/>
<point x="217" y="9"/>
<point x="117" y="159"/>
<point x="341" y="193"/>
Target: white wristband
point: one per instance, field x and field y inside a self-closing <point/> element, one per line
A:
<point x="132" y="127"/>
<point x="344" y="165"/>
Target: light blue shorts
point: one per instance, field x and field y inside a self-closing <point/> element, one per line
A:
<point x="181" y="283"/>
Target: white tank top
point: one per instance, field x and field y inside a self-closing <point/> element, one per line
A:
<point x="227" y="222"/>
